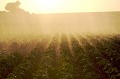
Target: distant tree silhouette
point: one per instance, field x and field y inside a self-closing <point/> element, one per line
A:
<point x="14" y="7"/>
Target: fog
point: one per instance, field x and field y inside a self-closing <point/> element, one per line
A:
<point x="17" y="22"/>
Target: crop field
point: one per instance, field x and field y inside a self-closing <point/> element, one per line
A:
<point x="62" y="56"/>
<point x="59" y="39"/>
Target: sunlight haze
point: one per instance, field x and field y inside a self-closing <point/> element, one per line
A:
<point x="65" y="6"/>
<point x="43" y="17"/>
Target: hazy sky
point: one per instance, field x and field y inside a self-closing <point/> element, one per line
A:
<point x="63" y="6"/>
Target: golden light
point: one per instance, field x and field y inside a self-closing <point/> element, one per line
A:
<point x="48" y="5"/>
<point x="43" y="6"/>
<point x="67" y="23"/>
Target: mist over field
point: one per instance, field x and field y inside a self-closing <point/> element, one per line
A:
<point x="37" y="24"/>
<point x="60" y="45"/>
<point x="15" y="21"/>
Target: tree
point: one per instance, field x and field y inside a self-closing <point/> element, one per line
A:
<point x="14" y="7"/>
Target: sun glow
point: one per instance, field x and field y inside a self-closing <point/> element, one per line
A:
<point x="45" y="6"/>
<point x="60" y="19"/>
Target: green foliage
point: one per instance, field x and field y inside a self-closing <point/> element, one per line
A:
<point x="92" y="59"/>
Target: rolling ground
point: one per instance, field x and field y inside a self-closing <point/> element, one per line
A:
<point x="62" y="56"/>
